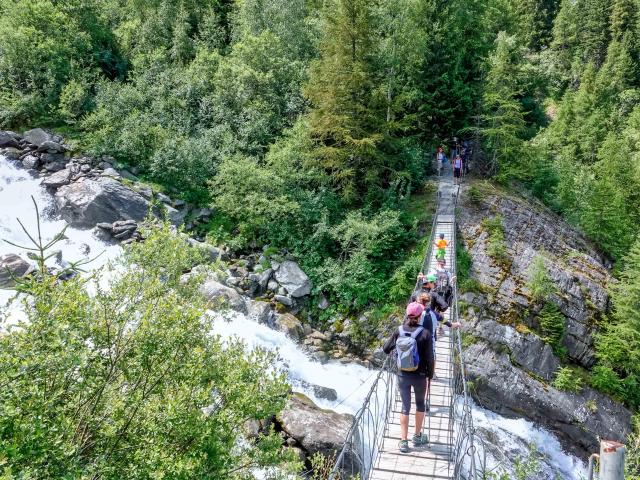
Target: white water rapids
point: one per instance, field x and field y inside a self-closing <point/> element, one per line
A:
<point x="509" y="439"/>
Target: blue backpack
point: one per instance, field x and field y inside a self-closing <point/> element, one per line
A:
<point x="407" y="350"/>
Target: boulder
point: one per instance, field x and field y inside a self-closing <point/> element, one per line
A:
<point x="55" y="166"/>
<point x="50" y="146"/>
<point x="12" y="265"/>
<point x="90" y="201"/>
<point x="502" y="387"/>
<point x="37" y="136"/>
<point x="293" y="279"/>
<point x="8" y="140"/>
<point x="316" y="430"/>
<point x="31" y="162"/>
<point x="57" y="179"/>
<point x="11" y="153"/>
<point x="260" y="312"/>
<point x="111" y="172"/>
<point x="289" y="324"/>
<point x="284" y="300"/>
<point x="221" y="295"/>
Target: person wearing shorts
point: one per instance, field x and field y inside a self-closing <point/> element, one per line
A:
<point x="414" y="380"/>
<point x="457" y="169"/>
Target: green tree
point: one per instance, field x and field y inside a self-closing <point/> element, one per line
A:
<point x="503" y="116"/>
<point x="618" y="347"/>
<point x="129" y="378"/>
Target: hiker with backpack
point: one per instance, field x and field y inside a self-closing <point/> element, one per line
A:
<point x="444" y="281"/>
<point x="413" y="346"/>
<point x="428" y="286"/>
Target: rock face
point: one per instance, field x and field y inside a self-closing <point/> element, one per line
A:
<point x="511" y="366"/>
<point x="578" y="419"/>
<point x="574" y="266"/>
<point x="293" y="279"/>
<point x="8" y="140"/>
<point x="89" y="201"/>
<point x="11" y="265"/>
<point x="316" y="430"/>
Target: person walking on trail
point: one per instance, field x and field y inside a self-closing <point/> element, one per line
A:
<point x="440" y="159"/>
<point x="413" y="346"/>
<point x="444" y="281"/>
<point x="457" y="169"/>
<point x="441" y="247"/>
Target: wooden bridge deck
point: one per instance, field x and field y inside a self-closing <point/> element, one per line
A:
<point x="435" y="459"/>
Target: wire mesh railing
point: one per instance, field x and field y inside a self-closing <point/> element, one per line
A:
<point x="364" y="439"/>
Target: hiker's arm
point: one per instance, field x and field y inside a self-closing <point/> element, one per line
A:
<point x="390" y="344"/>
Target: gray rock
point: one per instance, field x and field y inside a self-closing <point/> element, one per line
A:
<point x="37" y="136"/>
<point x="111" y="172"/>
<point x="176" y="217"/>
<point x="289" y="324"/>
<point x="12" y="265"/>
<point x="90" y="201"/>
<point x="507" y="390"/>
<point x="31" y="162"/>
<point x="316" y="430"/>
<point x="50" y="146"/>
<point x="260" y="312"/>
<point x="223" y="296"/>
<point x="319" y="391"/>
<point x="146" y="192"/>
<point x="179" y="203"/>
<point x="163" y="198"/>
<point x="526" y="350"/>
<point x="55" y="166"/>
<point x="291" y="277"/>
<point x="323" y="304"/>
<point x="213" y="252"/>
<point x="284" y="300"/>
<point x="264" y="278"/>
<point x="8" y="140"/>
<point x="11" y="153"/>
<point x="272" y="286"/>
<point x="58" y="179"/>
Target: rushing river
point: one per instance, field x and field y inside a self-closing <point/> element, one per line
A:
<point x="507" y="439"/>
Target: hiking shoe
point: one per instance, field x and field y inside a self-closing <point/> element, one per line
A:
<point x="404" y="446"/>
<point x="420" y="439"/>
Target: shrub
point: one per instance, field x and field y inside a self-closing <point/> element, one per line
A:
<point x="74" y="101"/>
<point x="553" y="326"/>
<point x="539" y="283"/>
<point x="476" y="196"/>
<point x="603" y="378"/>
<point x="568" y="380"/>
<point x="496" y="246"/>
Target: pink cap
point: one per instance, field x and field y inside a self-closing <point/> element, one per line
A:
<point x="414" y="309"/>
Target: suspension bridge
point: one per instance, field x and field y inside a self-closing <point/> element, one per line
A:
<point x="454" y="452"/>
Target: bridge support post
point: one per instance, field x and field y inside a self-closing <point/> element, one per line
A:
<point x="611" y="461"/>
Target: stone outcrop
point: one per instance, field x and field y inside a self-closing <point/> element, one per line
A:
<point x="509" y="363"/>
<point x="314" y="429"/>
<point x="579" y="419"/>
<point x="87" y="202"/>
<point x="575" y="267"/>
<point x="12" y="266"/>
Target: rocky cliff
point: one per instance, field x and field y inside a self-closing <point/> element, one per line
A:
<point x="510" y="361"/>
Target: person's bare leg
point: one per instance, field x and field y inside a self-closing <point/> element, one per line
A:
<point x="404" y="426"/>
<point x="419" y="422"/>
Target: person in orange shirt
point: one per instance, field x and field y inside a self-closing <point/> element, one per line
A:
<point x="441" y="244"/>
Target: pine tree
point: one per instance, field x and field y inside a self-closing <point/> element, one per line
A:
<point x="619" y="346"/>
<point x="594" y="29"/>
<point x="503" y="116"/>
<point x="345" y="120"/>
<point x="623" y="18"/>
<point x="182" y="49"/>
<point x="536" y="21"/>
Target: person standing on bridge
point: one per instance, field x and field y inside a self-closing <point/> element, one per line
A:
<point x="457" y="169"/>
<point x="440" y="159"/>
<point x="414" y="346"/>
